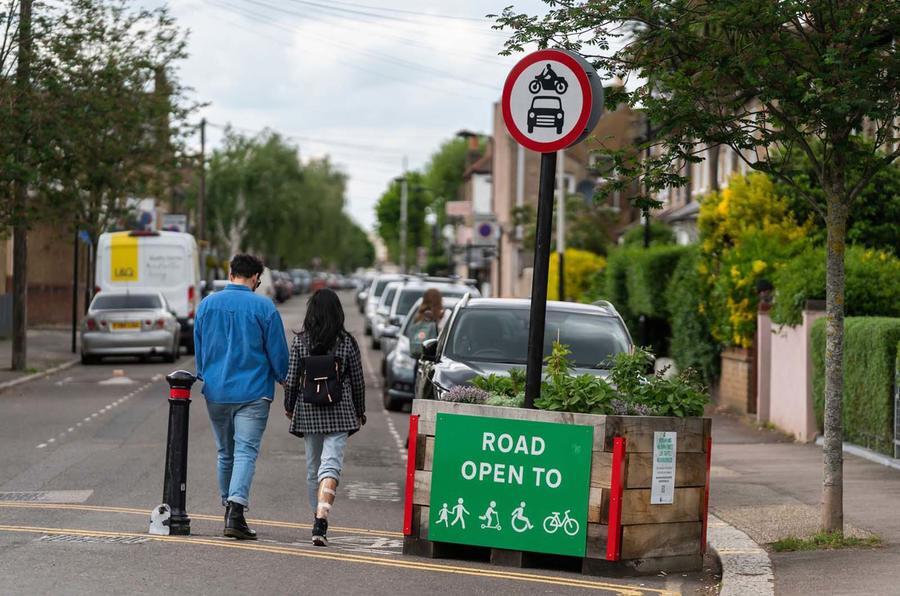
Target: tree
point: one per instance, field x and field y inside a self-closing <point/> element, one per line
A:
<point x="387" y="214"/>
<point x="262" y="198"/>
<point x="92" y="121"/>
<point x="872" y="222"/>
<point x="767" y="79"/>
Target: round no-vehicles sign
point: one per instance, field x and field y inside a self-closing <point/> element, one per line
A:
<point x="552" y="99"/>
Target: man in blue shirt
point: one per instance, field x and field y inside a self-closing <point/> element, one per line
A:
<point x="241" y="352"/>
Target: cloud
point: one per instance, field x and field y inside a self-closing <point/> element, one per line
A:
<point x="364" y="89"/>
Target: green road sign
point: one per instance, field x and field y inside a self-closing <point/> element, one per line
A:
<point x="513" y="484"/>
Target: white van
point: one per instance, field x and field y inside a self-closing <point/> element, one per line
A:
<point x="168" y="262"/>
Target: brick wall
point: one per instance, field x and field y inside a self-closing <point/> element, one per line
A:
<point x="737" y="386"/>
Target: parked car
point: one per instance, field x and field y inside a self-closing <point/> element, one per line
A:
<point x="218" y="285"/>
<point x="319" y="281"/>
<point x="364" y="283"/>
<point x="388" y="320"/>
<point x="147" y="261"/>
<point x="399" y="366"/>
<point x="130" y="324"/>
<point x="284" y="287"/>
<point x="301" y="279"/>
<point x="490" y="335"/>
<point x="373" y="296"/>
<point x="266" y="285"/>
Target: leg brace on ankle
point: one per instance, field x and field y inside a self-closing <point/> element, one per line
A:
<point x="326" y="496"/>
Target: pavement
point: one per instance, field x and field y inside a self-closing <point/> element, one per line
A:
<point x="767" y="487"/>
<point x="47" y="350"/>
<point x="81" y="466"/>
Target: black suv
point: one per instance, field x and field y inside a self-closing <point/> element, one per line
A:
<point x="490" y="335"/>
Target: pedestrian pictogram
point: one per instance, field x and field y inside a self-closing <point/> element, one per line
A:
<point x="551" y="100"/>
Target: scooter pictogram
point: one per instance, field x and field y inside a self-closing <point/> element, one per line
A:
<point x="548" y="80"/>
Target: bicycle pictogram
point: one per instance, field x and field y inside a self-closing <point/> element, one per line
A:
<point x="569" y="525"/>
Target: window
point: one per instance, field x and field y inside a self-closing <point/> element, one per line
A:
<point x="126" y="302"/>
<point x="495" y="335"/>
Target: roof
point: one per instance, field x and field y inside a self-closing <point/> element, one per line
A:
<point x="520" y="303"/>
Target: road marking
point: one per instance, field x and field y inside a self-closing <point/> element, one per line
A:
<point x="345" y="557"/>
<point x="46" y="496"/>
<point x="62" y="382"/>
<point x="99" y="412"/>
<point x="392" y="428"/>
<point x="146" y="513"/>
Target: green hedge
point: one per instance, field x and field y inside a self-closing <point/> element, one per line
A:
<point x="615" y="287"/>
<point x="870" y="358"/>
<point x="872" y="286"/>
<point x="692" y="344"/>
<point x="647" y="277"/>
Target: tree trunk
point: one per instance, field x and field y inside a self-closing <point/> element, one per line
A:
<point x="20" y="193"/>
<point x="833" y="489"/>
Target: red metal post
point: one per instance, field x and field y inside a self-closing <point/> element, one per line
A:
<point x="617" y="482"/>
<point x="410" y="474"/>
<point x="705" y="512"/>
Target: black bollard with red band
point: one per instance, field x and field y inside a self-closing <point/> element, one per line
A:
<point x="175" y="483"/>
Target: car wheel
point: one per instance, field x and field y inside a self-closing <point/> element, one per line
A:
<point x="559" y="130"/>
<point x="368" y="330"/>
<point x="530" y="128"/>
<point x="390" y="404"/>
<point x="87" y="360"/>
<point x="376" y="345"/>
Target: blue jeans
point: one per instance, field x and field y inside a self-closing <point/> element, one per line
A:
<point x="324" y="459"/>
<point x="238" y="429"/>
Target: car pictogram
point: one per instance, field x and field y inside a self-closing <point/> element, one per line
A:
<point x="546" y="112"/>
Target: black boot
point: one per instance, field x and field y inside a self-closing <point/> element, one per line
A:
<point x="235" y="524"/>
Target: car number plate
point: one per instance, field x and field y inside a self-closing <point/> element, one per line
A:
<point x="126" y="325"/>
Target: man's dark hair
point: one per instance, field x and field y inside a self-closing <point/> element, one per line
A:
<point x="246" y="266"/>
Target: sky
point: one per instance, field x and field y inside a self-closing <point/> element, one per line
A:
<point x="367" y="82"/>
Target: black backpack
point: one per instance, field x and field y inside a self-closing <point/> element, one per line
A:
<point x="321" y="383"/>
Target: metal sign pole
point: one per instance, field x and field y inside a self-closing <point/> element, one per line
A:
<point x="539" y="279"/>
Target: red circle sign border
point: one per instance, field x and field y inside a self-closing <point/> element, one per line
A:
<point x="586" y="92"/>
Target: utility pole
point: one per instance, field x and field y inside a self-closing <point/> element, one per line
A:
<point x="561" y="222"/>
<point x="20" y="193"/>
<point x="74" y="290"/>
<point x="404" y="204"/>
<point x="201" y="197"/>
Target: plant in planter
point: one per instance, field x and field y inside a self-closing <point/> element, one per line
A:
<point x="628" y="391"/>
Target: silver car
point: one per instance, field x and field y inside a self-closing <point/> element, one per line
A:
<point x="129" y="324"/>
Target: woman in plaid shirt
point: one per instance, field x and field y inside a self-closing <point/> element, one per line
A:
<point x="325" y="428"/>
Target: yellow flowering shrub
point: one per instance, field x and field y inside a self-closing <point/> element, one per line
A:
<point x="746" y="232"/>
<point x="581" y="266"/>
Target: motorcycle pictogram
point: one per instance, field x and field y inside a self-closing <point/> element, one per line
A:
<point x="548" y="80"/>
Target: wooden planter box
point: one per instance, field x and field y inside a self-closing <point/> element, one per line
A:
<point x="651" y="538"/>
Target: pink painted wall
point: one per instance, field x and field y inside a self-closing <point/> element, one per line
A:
<point x="790" y="381"/>
<point x="763" y="368"/>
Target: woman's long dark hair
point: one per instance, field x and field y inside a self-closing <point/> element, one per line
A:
<point x="324" y="322"/>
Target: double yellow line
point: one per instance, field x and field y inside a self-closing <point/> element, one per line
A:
<point x="146" y="513"/>
<point x="340" y="557"/>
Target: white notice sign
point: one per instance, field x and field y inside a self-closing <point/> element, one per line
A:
<point x="662" y="490"/>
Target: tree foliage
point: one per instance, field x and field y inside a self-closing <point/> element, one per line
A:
<point x="767" y="79"/>
<point x="105" y="111"/>
<point x="261" y="198"/>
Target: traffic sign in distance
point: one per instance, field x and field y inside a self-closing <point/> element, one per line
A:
<point x="552" y="99"/>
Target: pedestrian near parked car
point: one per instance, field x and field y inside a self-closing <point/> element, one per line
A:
<point x="241" y="352"/>
<point x="325" y="399"/>
<point x="426" y="321"/>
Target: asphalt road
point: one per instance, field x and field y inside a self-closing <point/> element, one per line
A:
<point x="81" y="465"/>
